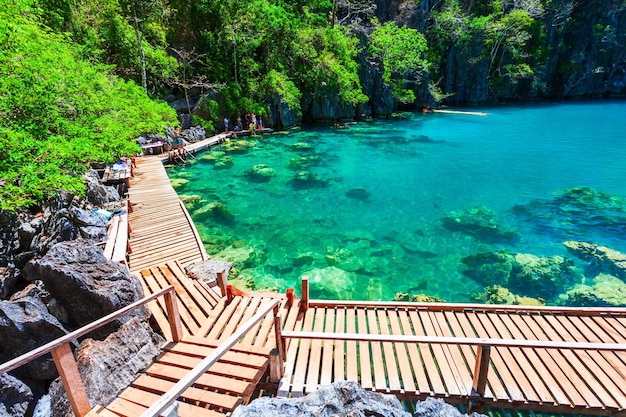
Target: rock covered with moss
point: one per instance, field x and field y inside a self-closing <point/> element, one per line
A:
<point x="479" y="222"/>
<point x="497" y="294"/>
<point x="601" y="258"/>
<point x="603" y="291"/>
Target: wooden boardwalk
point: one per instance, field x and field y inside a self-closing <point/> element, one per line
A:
<point x="408" y="349"/>
<point x="161" y="228"/>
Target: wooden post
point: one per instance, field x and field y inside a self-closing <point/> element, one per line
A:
<point x="290" y="296"/>
<point x="173" y="317"/>
<point x="280" y="342"/>
<point x="277" y="366"/>
<point x="480" y="377"/>
<point x="73" y="384"/>
<point x="304" y="302"/>
<point x="222" y="281"/>
<point x="229" y="293"/>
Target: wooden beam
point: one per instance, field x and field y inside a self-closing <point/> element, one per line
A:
<point x="304" y="302"/>
<point x="222" y="281"/>
<point x="481" y="368"/>
<point x="72" y="382"/>
<point x="173" y="316"/>
<point x="546" y="344"/>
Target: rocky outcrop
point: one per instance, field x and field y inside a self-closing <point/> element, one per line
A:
<point x="15" y="397"/>
<point x="89" y="286"/>
<point x="436" y="407"/>
<point x="26" y="324"/>
<point x="108" y="367"/>
<point x="343" y="398"/>
<point x="478" y="222"/>
<point x="497" y="294"/>
<point x="207" y="271"/>
<point x="601" y="258"/>
<point x="603" y="291"/>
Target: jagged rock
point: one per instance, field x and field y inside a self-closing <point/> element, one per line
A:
<point x="89" y="286"/>
<point x="280" y="115"/>
<point x="207" y="271"/>
<point x="37" y="290"/>
<point x="97" y="193"/>
<point x="193" y="134"/>
<point x="26" y="324"/>
<point x="15" y="397"/>
<point x="108" y="367"/>
<point x="603" y="259"/>
<point x="343" y="398"/>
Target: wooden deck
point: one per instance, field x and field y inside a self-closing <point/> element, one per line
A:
<point x="162" y="230"/>
<point x="383" y="346"/>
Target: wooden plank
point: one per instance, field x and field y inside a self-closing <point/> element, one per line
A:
<point x="186" y="316"/>
<point x="417" y="365"/>
<point x="339" y="355"/>
<point x="462" y="368"/>
<point x="352" y="365"/>
<point x="200" y="349"/>
<point x="515" y="359"/>
<point x="249" y="311"/>
<point x="302" y="359"/>
<point x="121" y="241"/>
<point x="146" y="399"/>
<point x="380" y="380"/>
<point x="220" y="368"/>
<point x="315" y="357"/>
<point x="404" y="365"/>
<point x="197" y="297"/>
<point x="111" y="236"/>
<point x="207" y="398"/>
<point x="551" y="360"/>
<point x="391" y="365"/>
<point x="229" y="385"/>
<point x="326" y="376"/>
<point x="266" y="339"/>
<point x="582" y="362"/>
<point x="495" y="384"/>
<point x="499" y="359"/>
<point x="126" y="408"/>
<point x="430" y="366"/>
<point x="294" y="321"/>
<point x="450" y="375"/>
<point x="546" y="386"/>
<point x="157" y="307"/>
<point x="364" y="351"/>
<point x="224" y="318"/>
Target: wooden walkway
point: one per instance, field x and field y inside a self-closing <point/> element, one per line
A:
<point x="383" y="346"/>
<point x="162" y="229"/>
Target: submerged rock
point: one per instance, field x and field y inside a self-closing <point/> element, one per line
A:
<point x="343" y="398"/>
<point x="497" y="294"/>
<point x="179" y="183"/>
<point x="360" y="194"/>
<point x="191" y="201"/>
<point x="417" y="298"/>
<point x="260" y="172"/>
<point x="602" y="259"/>
<point x="604" y="291"/>
<point x="330" y="283"/>
<point x="478" y="222"/>
<point x="525" y="274"/>
<point x="216" y="211"/>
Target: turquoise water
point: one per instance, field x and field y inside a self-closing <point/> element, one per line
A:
<point x="362" y="211"/>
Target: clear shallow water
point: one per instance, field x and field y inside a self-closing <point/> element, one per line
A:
<point x="368" y="222"/>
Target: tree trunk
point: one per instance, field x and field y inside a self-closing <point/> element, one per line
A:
<point x="144" y="81"/>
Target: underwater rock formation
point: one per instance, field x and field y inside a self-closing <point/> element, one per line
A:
<point x="580" y="213"/>
<point x="417" y="298"/>
<point x="330" y="283"/>
<point x="478" y="222"/>
<point x="525" y="274"/>
<point x="260" y="172"/>
<point x="605" y="291"/>
<point x="601" y="258"/>
<point x="497" y="294"/>
<point x="215" y="210"/>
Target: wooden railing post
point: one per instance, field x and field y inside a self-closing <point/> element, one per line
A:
<point x="229" y="293"/>
<point x="173" y="317"/>
<point x="74" y="387"/>
<point x="481" y="368"/>
<point x="277" y="355"/>
<point x="304" y="302"/>
<point x="290" y="296"/>
<point x="222" y="281"/>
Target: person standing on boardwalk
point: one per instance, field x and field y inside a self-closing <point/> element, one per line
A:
<point x="225" y="124"/>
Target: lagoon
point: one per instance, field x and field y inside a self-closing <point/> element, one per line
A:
<point x="383" y="207"/>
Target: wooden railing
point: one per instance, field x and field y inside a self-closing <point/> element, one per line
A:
<point x="64" y="358"/>
<point x="166" y="404"/>
<point x="483" y="351"/>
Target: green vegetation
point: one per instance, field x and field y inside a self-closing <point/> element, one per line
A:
<point x="59" y="112"/>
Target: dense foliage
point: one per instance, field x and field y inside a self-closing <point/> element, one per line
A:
<point x="60" y="113"/>
<point x="62" y="107"/>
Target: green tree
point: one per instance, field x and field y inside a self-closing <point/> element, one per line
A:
<point x="400" y="51"/>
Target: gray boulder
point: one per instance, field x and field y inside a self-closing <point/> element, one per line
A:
<point x="15" y="397"/>
<point x="436" y="407"/>
<point x="343" y="398"/>
<point x="108" y="367"/>
<point x="97" y="193"/>
<point x="207" y="271"/>
<point x="25" y="324"/>
<point x="88" y="285"/>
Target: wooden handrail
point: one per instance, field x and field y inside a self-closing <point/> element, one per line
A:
<point x="40" y="351"/>
<point x="167" y="399"/>
<point x="546" y="344"/>
<point x="578" y="311"/>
